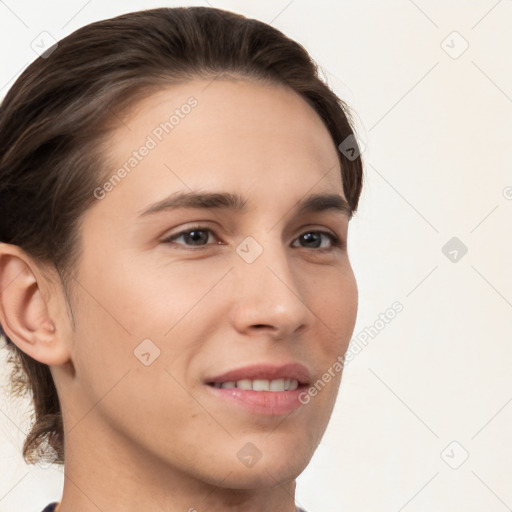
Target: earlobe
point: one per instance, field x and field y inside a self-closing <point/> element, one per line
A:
<point x="24" y="313"/>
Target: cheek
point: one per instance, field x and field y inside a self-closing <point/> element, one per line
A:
<point x="154" y="295"/>
<point x="124" y="363"/>
<point x="135" y="312"/>
<point x="336" y="305"/>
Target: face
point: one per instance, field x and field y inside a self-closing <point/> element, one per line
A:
<point x="170" y="302"/>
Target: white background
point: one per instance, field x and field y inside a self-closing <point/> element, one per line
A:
<point x="438" y="137"/>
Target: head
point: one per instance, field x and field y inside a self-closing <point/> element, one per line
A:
<point x="110" y="309"/>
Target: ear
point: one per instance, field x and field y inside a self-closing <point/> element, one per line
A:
<point x="25" y="294"/>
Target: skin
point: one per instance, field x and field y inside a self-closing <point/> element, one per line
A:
<point x="152" y="437"/>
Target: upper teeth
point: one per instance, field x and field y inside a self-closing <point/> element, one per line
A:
<point x="260" y="384"/>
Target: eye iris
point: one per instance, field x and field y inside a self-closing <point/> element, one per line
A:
<point x="315" y="237"/>
<point x="194" y="236"/>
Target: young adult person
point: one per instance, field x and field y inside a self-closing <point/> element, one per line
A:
<point x="176" y="187"/>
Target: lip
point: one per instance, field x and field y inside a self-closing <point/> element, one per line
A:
<point x="265" y="371"/>
<point x="267" y="403"/>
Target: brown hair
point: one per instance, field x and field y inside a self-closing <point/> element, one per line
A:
<point x="54" y="119"/>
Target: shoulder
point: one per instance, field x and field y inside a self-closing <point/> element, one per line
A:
<point x="50" y="507"/>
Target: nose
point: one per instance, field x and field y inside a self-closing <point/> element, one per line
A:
<point x="270" y="294"/>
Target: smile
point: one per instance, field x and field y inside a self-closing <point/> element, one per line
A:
<point x="259" y="384"/>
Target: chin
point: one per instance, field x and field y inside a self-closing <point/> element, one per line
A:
<point x="262" y="475"/>
<point x="266" y="464"/>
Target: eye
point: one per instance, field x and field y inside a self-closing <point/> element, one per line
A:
<point x="198" y="236"/>
<point x="195" y="234"/>
<point x="313" y="238"/>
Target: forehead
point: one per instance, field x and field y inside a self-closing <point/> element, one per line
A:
<point x="214" y="134"/>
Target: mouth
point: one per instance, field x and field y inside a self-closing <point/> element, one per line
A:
<point x="262" y="389"/>
<point x="275" y="385"/>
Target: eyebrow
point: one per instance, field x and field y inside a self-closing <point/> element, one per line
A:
<point x="237" y="203"/>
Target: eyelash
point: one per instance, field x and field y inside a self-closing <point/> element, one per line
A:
<point x="336" y="242"/>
